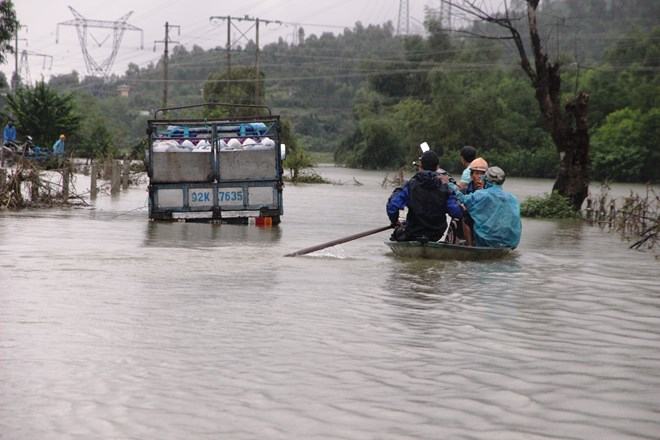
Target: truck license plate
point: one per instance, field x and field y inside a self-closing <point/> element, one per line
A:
<point x="230" y="196"/>
<point x="200" y="197"/>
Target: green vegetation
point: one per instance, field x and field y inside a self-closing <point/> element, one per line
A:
<point x="8" y="26"/>
<point x="307" y="176"/>
<point x="548" y="206"/>
<point x="43" y="113"/>
<point x="369" y="97"/>
<point x="232" y="87"/>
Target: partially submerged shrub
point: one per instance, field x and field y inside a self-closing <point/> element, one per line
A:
<point x="548" y="206"/>
<point x="307" y="176"/>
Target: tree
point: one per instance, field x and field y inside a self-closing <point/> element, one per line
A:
<point x="566" y="122"/>
<point x="374" y="145"/>
<point x="43" y="113"/>
<point x="297" y="158"/>
<point x="8" y="25"/>
<point x="65" y="81"/>
<point x="626" y="146"/>
<point x="95" y="140"/>
<point x="234" y="87"/>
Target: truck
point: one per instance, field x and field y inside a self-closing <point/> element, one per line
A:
<point x="221" y="170"/>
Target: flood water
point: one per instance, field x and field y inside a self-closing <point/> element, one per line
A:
<point x="113" y="327"/>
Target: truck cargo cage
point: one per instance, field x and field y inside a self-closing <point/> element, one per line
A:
<point x="216" y="169"/>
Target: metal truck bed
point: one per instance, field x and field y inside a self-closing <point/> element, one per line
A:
<point x="198" y="171"/>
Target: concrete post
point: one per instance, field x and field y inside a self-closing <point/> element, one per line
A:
<point x="92" y="182"/>
<point x="590" y="210"/>
<point x="34" y="187"/>
<point x="107" y="169"/>
<point x="66" y="178"/>
<point x="115" y="181"/>
<point x="611" y="214"/>
<point x="126" y="171"/>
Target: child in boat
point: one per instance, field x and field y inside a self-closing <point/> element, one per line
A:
<point x="477" y="169"/>
<point x="467" y="154"/>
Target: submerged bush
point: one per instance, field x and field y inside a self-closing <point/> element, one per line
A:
<point x="548" y="206"/>
<point x="307" y="176"/>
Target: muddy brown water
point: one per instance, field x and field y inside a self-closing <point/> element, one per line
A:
<point x="113" y="327"/>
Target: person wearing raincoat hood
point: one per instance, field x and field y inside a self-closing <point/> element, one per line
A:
<point x="428" y="200"/>
<point x="495" y="212"/>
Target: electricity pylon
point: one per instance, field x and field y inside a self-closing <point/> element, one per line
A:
<point x="24" y="65"/>
<point x="118" y="27"/>
<point x="445" y="15"/>
<point x="24" y="68"/>
<point x="403" y="24"/>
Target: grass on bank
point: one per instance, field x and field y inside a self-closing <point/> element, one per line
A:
<point x="551" y="205"/>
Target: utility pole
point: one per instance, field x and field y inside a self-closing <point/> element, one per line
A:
<point x="16" y="78"/>
<point x="257" y="21"/>
<point x="228" y="46"/>
<point x="165" y="43"/>
<point x="257" y="83"/>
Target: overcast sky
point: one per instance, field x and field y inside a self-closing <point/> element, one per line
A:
<point x="41" y="18"/>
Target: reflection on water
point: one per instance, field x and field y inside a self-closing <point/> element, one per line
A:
<point x="193" y="235"/>
<point x="112" y="326"/>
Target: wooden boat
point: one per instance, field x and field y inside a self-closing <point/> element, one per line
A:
<point x="445" y="251"/>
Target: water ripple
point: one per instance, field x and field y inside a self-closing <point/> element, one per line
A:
<point x="138" y="330"/>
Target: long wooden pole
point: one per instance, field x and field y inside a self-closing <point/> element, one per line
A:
<point x="318" y="247"/>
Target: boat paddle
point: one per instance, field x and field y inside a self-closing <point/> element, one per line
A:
<point x="318" y="247"/>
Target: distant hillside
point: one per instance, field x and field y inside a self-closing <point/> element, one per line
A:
<point x="318" y="83"/>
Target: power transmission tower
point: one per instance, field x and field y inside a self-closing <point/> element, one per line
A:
<point x="403" y="23"/>
<point x="445" y="15"/>
<point x="118" y="27"/>
<point x="24" y="66"/>
<point x="243" y="35"/>
<point x="166" y="43"/>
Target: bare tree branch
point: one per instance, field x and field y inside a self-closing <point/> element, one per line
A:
<point x="469" y="7"/>
<point x="478" y="35"/>
<point x="567" y="126"/>
<point x="524" y="60"/>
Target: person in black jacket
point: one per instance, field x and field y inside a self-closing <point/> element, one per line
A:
<point x="428" y="201"/>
